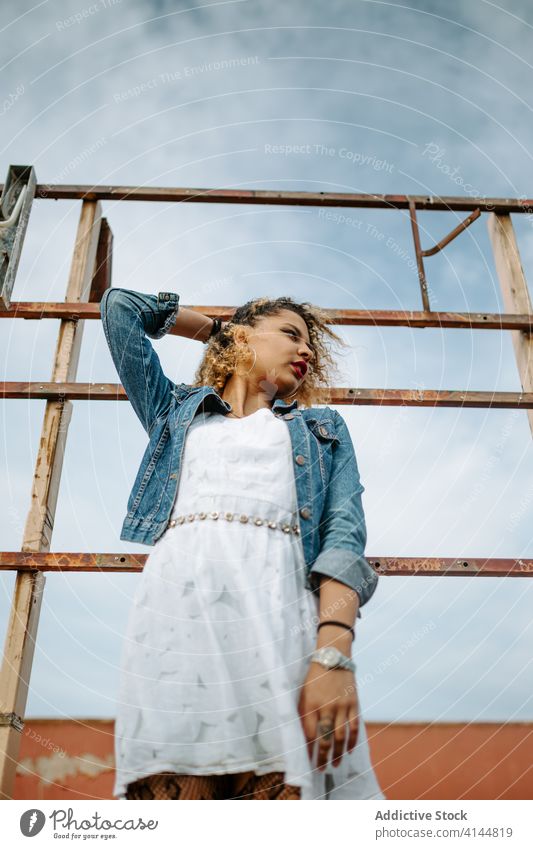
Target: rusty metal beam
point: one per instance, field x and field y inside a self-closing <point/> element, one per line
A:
<point x="432" y="398"/>
<point x="488" y="567"/>
<point x="72" y="561"/>
<point x="372" y="318"/>
<point x="57" y="191"/>
<point x="339" y="395"/>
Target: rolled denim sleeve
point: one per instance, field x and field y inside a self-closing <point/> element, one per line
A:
<point x="342" y="524"/>
<point x="128" y="319"/>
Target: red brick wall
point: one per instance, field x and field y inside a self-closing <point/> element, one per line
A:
<point x="73" y="759"/>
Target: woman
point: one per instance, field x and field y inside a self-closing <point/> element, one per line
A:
<point x="236" y="675"/>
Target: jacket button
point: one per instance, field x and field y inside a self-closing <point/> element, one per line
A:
<point x="288" y="416"/>
<point x="300" y="459"/>
<point x="322" y="430"/>
<point x="305" y="512"/>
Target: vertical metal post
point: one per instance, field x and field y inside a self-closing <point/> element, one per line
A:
<point x="419" y="258"/>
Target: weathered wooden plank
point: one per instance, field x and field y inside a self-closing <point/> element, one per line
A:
<point x="25" y="609"/>
<point x="514" y="292"/>
<point x="104" y="263"/>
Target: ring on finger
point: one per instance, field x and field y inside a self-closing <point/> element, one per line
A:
<point x="325" y="731"/>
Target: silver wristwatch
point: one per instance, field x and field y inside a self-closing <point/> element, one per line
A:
<point x="332" y="658"/>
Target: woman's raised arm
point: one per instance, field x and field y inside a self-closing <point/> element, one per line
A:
<point x="128" y="319"/>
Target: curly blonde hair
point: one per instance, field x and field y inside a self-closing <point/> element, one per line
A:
<point x="223" y="354"/>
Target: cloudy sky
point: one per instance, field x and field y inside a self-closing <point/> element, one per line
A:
<point x="427" y="97"/>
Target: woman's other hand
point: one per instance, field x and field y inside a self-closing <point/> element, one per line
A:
<point x="329" y="694"/>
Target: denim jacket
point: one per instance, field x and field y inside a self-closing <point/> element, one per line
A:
<point x="330" y="513"/>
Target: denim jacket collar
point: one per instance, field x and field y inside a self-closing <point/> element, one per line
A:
<point x="279" y="405"/>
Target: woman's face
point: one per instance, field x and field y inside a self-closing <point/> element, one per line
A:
<point x="279" y="342"/>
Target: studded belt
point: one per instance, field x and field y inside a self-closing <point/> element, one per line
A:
<point x="286" y="527"/>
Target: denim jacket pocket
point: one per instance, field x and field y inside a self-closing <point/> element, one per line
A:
<point x="324" y="430"/>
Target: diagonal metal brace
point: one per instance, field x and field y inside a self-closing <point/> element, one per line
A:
<point x="451" y="236"/>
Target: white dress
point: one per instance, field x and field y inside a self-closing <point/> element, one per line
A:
<point x="221" y="626"/>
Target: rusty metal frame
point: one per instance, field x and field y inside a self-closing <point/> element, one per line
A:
<point x="71" y="561"/>
<point x="35" y="558"/>
<point x="172" y="194"/>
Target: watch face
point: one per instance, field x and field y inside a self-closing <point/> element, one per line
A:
<point x="331" y="656"/>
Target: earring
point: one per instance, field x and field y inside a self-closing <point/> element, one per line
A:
<point x="254" y="362"/>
